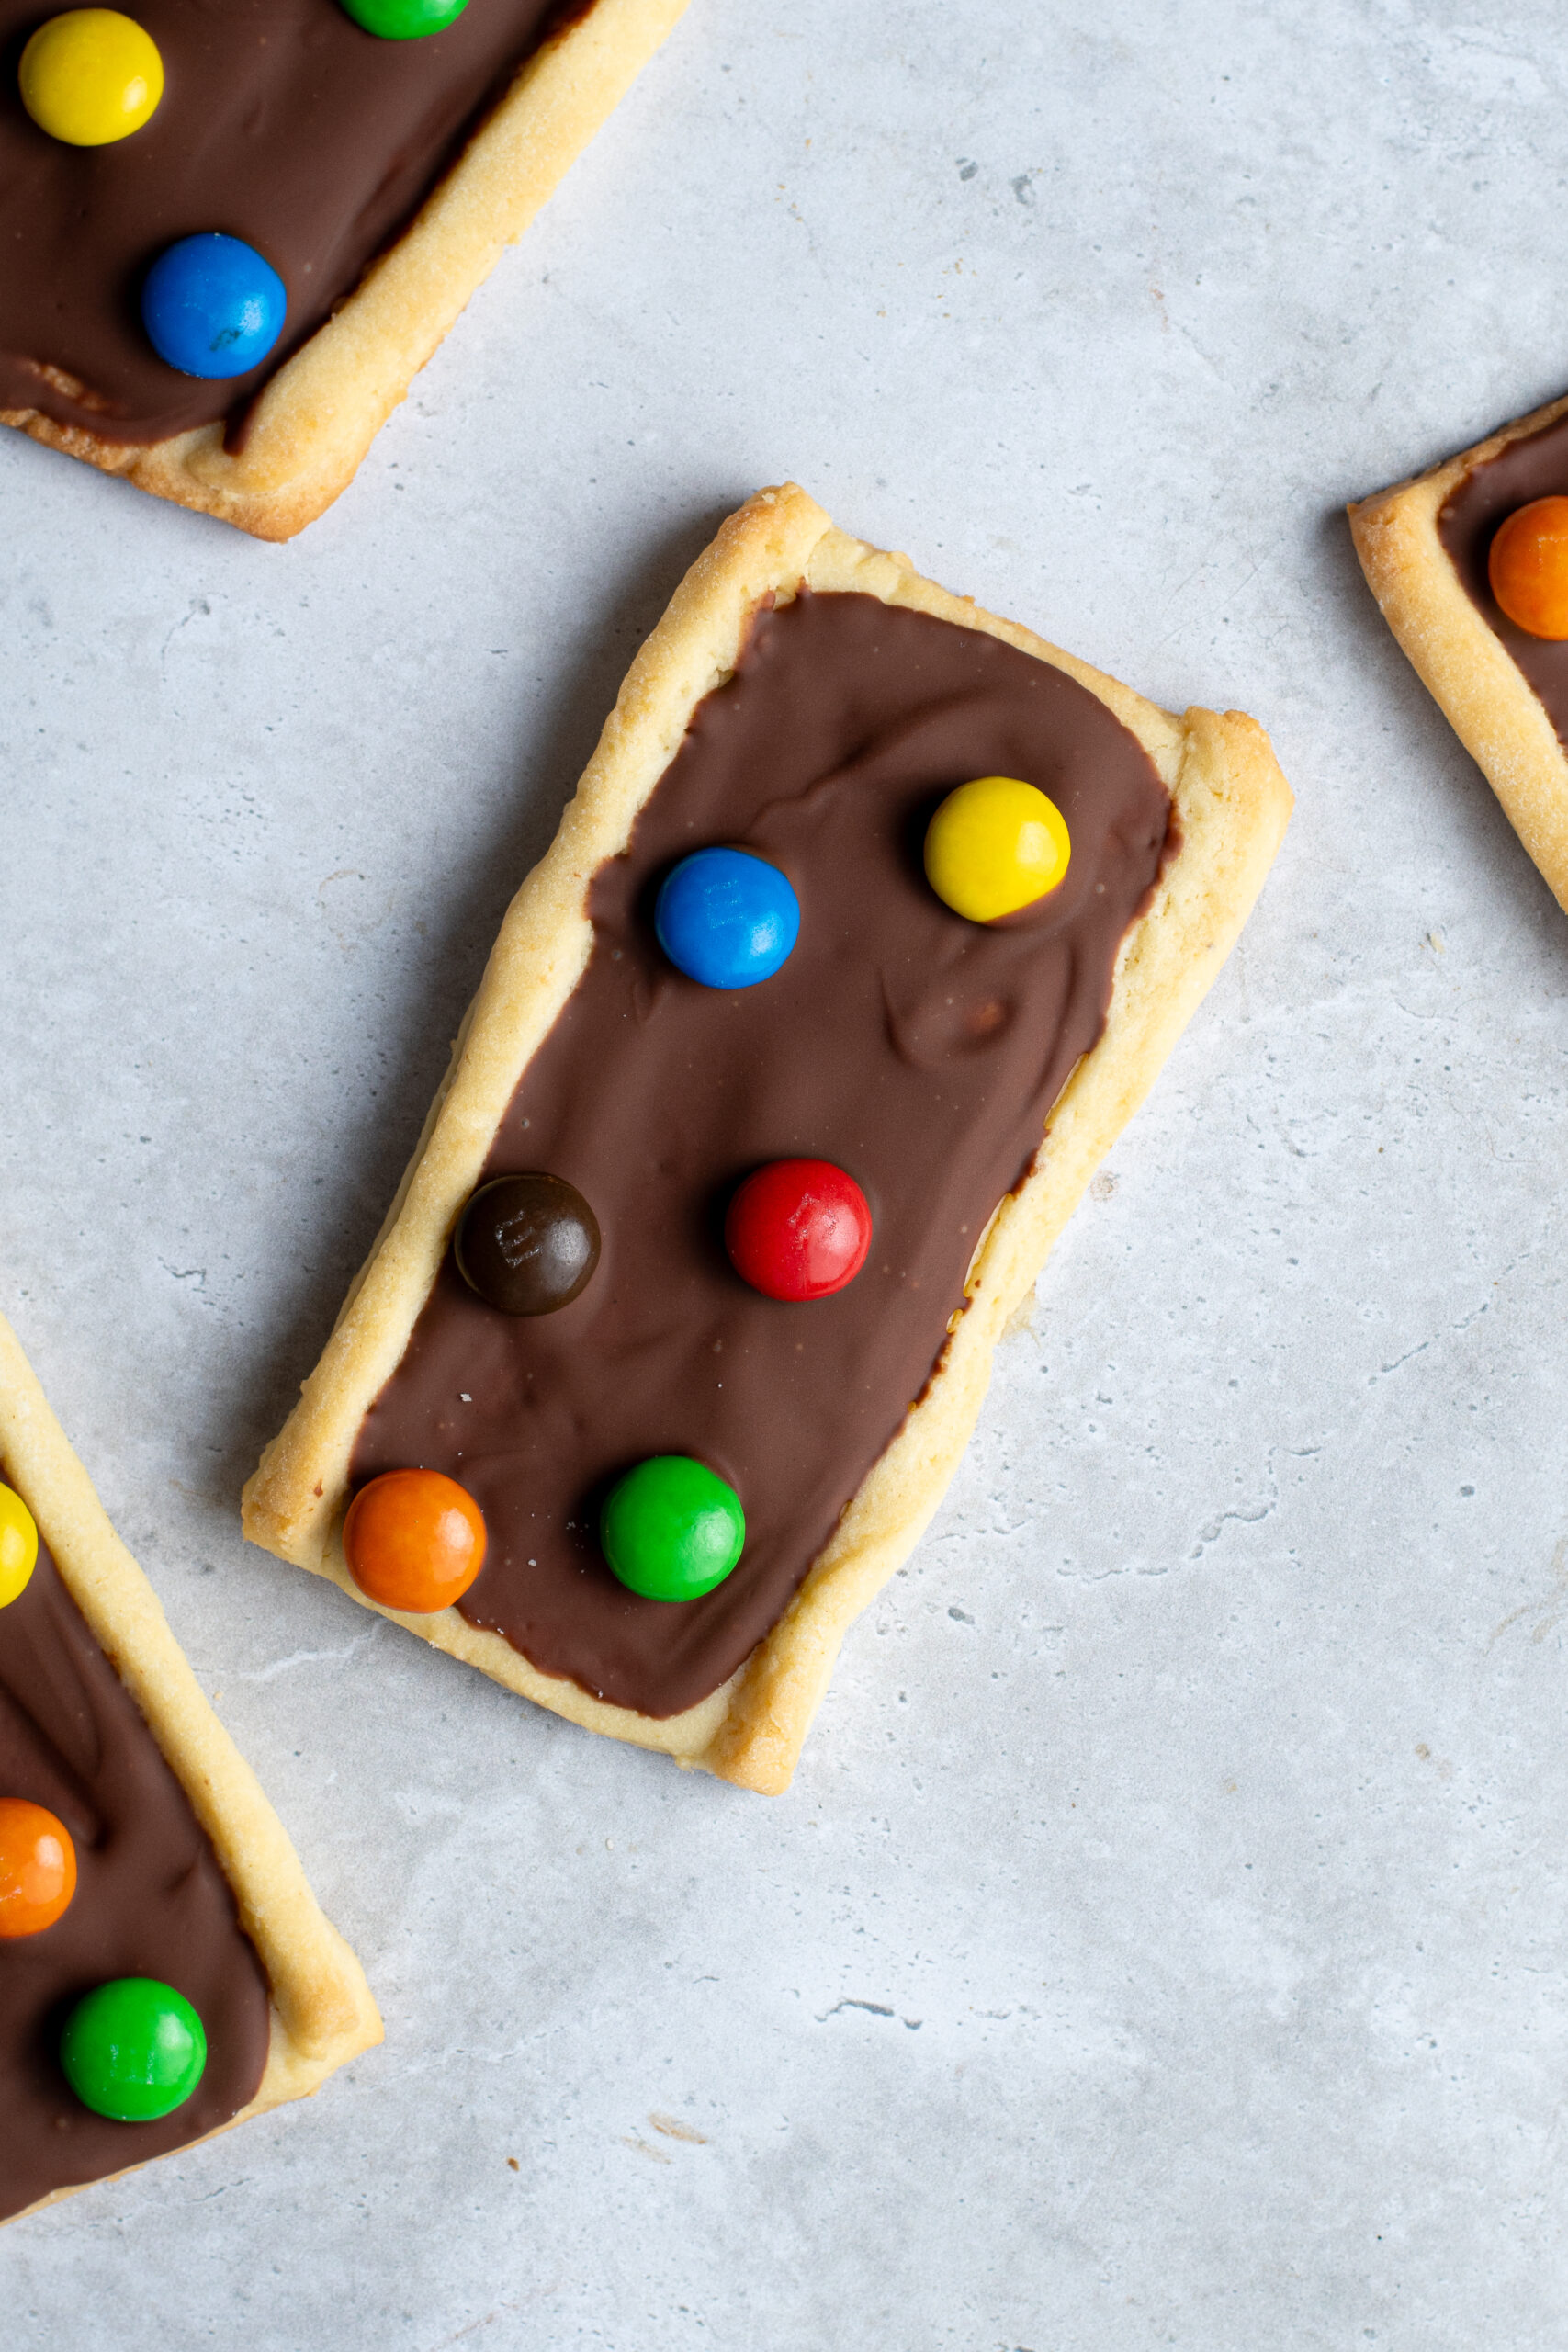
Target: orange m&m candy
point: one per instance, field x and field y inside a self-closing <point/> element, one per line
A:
<point x="413" y="1540"/>
<point x="38" y="1867"/>
<point x="1529" y="567"/>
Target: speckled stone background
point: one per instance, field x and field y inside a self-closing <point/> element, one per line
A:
<point x="1162" y="1943"/>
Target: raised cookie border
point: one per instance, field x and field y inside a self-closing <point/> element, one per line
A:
<point x="322" y="2011"/>
<point x="1458" y="657"/>
<point x="1232" y="803"/>
<point x="318" y="416"/>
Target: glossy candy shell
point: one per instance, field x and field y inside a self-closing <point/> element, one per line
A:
<point x="213" y="307"/>
<point x="133" y="2050"/>
<point x="672" y="1529"/>
<point x="404" y="20"/>
<point x="1527" y="567"/>
<point x="18" y="1545"/>
<point x="38" y="1867"/>
<point x="995" y="846"/>
<point x="90" y="78"/>
<point x="526" y="1244"/>
<point x="799" y="1230"/>
<point x="727" y="919"/>
<point x="413" y="1540"/>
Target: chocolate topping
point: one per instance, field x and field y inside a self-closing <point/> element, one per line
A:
<point x="150" y="1901"/>
<point x="526" y="1244"/>
<point x="1536" y="467"/>
<point x="281" y="122"/>
<point x="918" y="1051"/>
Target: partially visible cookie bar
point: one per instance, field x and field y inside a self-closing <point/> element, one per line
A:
<point x="1436" y="551"/>
<point x="762" y="1125"/>
<point x="165" y="1971"/>
<point x="224" y="295"/>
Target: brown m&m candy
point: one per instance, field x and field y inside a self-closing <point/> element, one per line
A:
<point x="527" y="1244"/>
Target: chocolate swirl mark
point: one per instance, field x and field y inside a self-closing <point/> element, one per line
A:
<point x="60" y="1781"/>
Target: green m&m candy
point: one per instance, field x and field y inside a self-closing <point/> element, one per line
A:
<point x="404" y="20"/>
<point x="672" y="1529"/>
<point x="133" y="2050"/>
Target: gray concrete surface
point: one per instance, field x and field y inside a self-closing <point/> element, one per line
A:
<point x="1163" y="1944"/>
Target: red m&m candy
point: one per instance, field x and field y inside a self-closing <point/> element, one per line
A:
<point x="799" y="1228"/>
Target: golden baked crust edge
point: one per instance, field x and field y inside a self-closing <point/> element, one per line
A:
<point x="1232" y="803"/>
<point x="318" y="416"/>
<point x="322" y="2011"/>
<point x="1462" y="663"/>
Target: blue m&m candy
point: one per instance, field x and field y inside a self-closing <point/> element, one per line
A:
<point x="726" y="918"/>
<point x="213" y="307"/>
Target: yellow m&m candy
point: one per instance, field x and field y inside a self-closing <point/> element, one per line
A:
<point x="996" y="845"/>
<point x="18" y="1545"/>
<point x="91" y="76"/>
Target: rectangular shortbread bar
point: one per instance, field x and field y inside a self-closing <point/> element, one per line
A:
<point x="185" y="1872"/>
<point x="883" y="1407"/>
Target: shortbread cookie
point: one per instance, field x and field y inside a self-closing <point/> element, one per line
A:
<point x="797" y="715"/>
<point x="144" y="1876"/>
<point x="1425" y="546"/>
<point x="366" y="181"/>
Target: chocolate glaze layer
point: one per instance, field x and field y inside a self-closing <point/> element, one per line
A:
<point x="150" y="1901"/>
<point x="281" y="122"/>
<point x="1536" y="467"/>
<point x="918" y="1051"/>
